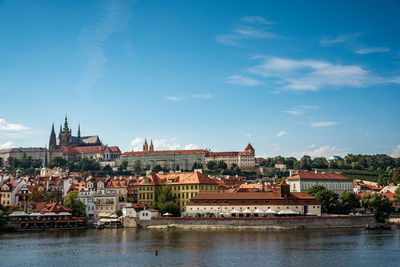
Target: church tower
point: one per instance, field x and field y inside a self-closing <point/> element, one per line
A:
<point x="65" y="134"/>
<point x="151" y="146"/>
<point x="52" y="140"/>
<point x="250" y="149"/>
<point x="145" y="145"/>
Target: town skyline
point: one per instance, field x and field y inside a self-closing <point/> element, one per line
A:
<point x="211" y="76"/>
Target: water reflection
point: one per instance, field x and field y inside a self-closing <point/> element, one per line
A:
<point x="122" y="247"/>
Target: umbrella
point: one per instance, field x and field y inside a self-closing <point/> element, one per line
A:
<point x="235" y="211"/>
<point x="258" y="211"/>
<point x="270" y="211"/>
<point x="167" y="214"/>
<point x="287" y="212"/>
<point x="247" y="211"/>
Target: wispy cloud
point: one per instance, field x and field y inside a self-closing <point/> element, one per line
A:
<point x="193" y="96"/>
<point x="313" y="75"/>
<point x="300" y="110"/>
<point x="6" y="126"/>
<point x="369" y="50"/>
<point x="112" y="17"/>
<point x="241" y="80"/>
<point x="281" y="133"/>
<point x="396" y="151"/>
<point x="323" y="124"/>
<point x="250" y="27"/>
<point x="339" y="39"/>
<point x="7" y="145"/>
<point x="248" y="135"/>
<point x="255" y="19"/>
<point x="173" y="98"/>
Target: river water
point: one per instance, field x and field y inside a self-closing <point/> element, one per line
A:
<point x="129" y="247"/>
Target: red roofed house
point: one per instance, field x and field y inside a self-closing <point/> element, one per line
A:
<point x="253" y="204"/>
<point x="245" y="159"/>
<point x="300" y="181"/>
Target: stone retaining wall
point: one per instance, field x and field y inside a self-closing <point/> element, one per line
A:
<point x="259" y="223"/>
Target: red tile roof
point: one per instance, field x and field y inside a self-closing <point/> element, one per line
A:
<point x="318" y="176"/>
<point x="177" y="178"/>
<point x="165" y="152"/>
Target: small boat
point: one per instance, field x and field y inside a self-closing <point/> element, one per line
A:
<point x="378" y="226"/>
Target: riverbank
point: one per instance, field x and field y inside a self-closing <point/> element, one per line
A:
<point x="258" y="223"/>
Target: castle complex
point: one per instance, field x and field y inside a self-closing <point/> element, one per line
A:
<point x="67" y="140"/>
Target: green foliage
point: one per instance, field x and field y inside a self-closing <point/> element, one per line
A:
<point x="107" y="169"/>
<point x="383" y="181"/>
<point x="58" y="162"/>
<point x="197" y="165"/>
<point x="348" y="201"/>
<point x="85" y="165"/>
<point x="123" y="165"/>
<point x="397" y="195"/>
<point x="77" y="206"/>
<point x="38" y="196"/>
<point x="327" y="198"/>
<point x="382" y="207"/>
<point x="221" y="165"/>
<point x="280" y="180"/>
<point x="2" y="220"/>
<point x="157" y="168"/>
<point x="23" y="163"/>
<point x="165" y="201"/>
<point x="118" y="213"/>
<point x="305" y="163"/>
<point x="137" y="166"/>
<point x="211" y="165"/>
<point x="319" y="163"/>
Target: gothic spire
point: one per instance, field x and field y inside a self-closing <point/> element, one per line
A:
<point x="151" y="145"/>
<point x="66" y="124"/>
<point x="79" y="130"/>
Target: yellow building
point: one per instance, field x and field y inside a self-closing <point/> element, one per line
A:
<point x="184" y="186"/>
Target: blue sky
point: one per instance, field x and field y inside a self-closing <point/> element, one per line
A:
<point x="292" y="78"/>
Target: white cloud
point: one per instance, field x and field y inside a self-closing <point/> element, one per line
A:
<point x="241" y="80"/>
<point x="311" y="75"/>
<point x="396" y="152"/>
<point x="323" y="151"/>
<point x="369" y="50"/>
<point x="193" y="96"/>
<point x="112" y="17"/>
<point x="164" y="144"/>
<point x="7" y="145"/>
<point x="248" y="135"/>
<point x="339" y="39"/>
<point x="191" y="147"/>
<point x="137" y="144"/>
<point x="173" y="98"/>
<point x="5" y="126"/>
<point x="281" y="133"/>
<point x="250" y="27"/>
<point x="312" y="146"/>
<point x="255" y="19"/>
<point x="323" y="124"/>
<point x="300" y="110"/>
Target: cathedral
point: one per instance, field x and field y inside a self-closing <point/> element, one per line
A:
<point x="66" y="139"/>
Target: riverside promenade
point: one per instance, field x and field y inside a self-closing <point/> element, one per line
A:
<point x="333" y="221"/>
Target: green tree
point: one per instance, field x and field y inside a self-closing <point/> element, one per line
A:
<point x="157" y="168"/>
<point x="107" y="169"/>
<point x="38" y="196"/>
<point x="118" y="213"/>
<point x="382" y="207"/>
<point x="305" y="163"/>
<point x="76" y="205"/>
<point x="137" y="166"/>
<point x="123" y="165"/>
<point x="221" y="165"/>
<point x="348" y="201"/>
<point x="2" y="220"/>
<point x="319" y="163"/>
<point x="211" y="165"/>
<point x="58" y="162"/>
<point x="397" y="195"/>
<point x="327" y="198"/>
<point x="165" y="201"/>
<point x="235" y="169"/>
<point x="86" y="164"/>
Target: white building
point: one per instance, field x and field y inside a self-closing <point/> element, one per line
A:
<point x="300" y="181"/>
<point x="148" y="214"/>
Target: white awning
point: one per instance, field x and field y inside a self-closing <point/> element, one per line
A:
<point x="235" y="211"/>
<point x="247" y="211"/>
<point x="287" y="212"/>
<point x="258" y="211"/>
<point x="64" y="213"/>
<point x="19" y="213"/>
<point x="270" y="211"/>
